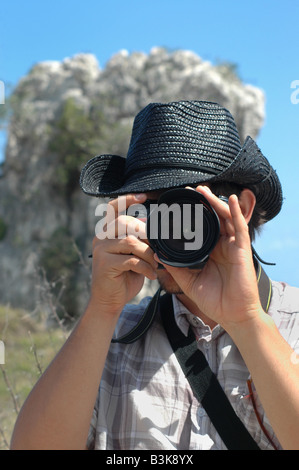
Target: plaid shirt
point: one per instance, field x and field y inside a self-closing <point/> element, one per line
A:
<point x="145" y="401"/>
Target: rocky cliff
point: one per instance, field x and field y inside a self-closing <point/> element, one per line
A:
<point x="63" y="114"/>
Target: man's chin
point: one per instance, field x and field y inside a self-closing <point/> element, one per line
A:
<point x="168" y="284"/>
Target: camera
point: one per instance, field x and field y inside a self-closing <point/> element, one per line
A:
<point x="182" y="228"/>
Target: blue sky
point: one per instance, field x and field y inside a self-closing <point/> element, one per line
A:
<point x="260" y="36"/>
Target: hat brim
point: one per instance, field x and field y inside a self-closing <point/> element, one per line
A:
<point x="104" y="176"/>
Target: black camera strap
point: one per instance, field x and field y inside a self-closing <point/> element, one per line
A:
<point x="204" y="383"/>
<point x="144" y="323"/>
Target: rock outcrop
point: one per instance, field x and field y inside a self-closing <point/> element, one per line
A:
<point x="33" y="207"/>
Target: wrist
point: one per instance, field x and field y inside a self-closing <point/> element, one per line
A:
<point x="251" y="330"/>
<point x="100" y="309"/>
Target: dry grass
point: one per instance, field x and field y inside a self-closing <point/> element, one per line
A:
<point x="30" y="345"/>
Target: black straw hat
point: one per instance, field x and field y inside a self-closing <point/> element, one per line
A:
<point x="180" y="143"/>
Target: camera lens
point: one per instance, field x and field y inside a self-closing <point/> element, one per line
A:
<point x="182" y="228"/>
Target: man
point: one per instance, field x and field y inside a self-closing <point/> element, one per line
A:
<point x="136" y="395"/>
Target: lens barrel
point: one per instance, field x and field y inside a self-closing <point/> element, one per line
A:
<point x="182" y="228"/>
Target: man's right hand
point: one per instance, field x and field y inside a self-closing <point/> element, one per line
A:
<point x="120" y="264"/>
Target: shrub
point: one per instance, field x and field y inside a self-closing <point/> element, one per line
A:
<point x="3" y="229"/>
<point x="78" y="135"/>
<point x="72" y="139"/>
<point x="60" y="259"/>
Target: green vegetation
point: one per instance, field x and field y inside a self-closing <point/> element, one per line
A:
<point x="60" y="260"/>
<point x="73" y="138"/>
<point x="78" y="135"/>
<point x="229" y="71"/>
<point x="3" y="229"/>
<point x="30" y="345"/>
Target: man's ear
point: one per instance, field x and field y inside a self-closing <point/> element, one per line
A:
<point x="247" y="202"/>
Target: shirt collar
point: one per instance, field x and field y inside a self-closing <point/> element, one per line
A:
<point x="184" y="318"/>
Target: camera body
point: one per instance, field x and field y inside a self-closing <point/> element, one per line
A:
<point x="182" y="228"/>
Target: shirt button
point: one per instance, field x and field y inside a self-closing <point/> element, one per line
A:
<point x="195" y="321"/>
<point x="201" y="411"/>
